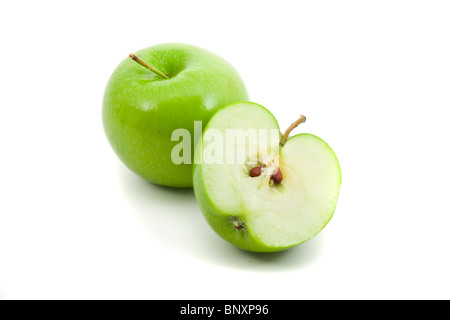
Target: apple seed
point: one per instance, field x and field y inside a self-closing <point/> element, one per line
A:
<point x="277" y="176"/>
<point x="255" y="172"/>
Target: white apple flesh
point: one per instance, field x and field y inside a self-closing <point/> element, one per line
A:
<point x="253" y="212"/>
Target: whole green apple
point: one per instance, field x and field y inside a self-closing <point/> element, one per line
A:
<point x="170" y="87"/>
<point x="258" y="189"/>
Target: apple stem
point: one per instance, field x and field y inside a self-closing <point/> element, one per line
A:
<point x="294" y="125"/>
<point x="149" y="67"/>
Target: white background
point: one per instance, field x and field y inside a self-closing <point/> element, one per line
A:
<point x="373" y="78"/>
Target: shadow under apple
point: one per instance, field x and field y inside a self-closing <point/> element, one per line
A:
<point x="174" y="220"/>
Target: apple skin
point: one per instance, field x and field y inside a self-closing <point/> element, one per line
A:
<point x="141" y="110"/>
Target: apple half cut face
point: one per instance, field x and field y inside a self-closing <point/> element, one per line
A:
<point x="257" y="194"/>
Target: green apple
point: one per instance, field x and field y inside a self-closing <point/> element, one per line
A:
<point x="167" y="87"/>
<point x="281" y="193"/>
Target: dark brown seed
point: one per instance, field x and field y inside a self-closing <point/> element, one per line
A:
<point x="277" y="176"/>
<point x="255" y="172"/>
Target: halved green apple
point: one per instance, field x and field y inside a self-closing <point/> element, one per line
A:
<point x="271" y="194"/>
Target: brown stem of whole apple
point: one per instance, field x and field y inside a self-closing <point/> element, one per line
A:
<point x="149" y="67"/>
<point x="294" y="125"/>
